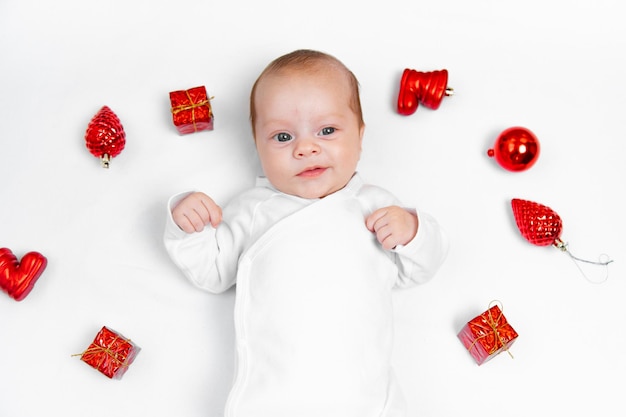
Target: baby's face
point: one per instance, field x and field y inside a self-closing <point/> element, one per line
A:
<point x="307" y="136"/>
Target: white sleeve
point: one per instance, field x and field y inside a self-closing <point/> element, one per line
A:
<point x="419" y="260"/>
<point x="196" y="254"/>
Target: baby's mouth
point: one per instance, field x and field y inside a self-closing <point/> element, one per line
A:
<point x="312" y="172"/>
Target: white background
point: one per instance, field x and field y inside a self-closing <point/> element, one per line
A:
<point x="555" y="67"/>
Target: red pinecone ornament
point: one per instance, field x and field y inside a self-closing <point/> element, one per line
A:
<point x="539" y="224"/>
<point x="105" y="137"/>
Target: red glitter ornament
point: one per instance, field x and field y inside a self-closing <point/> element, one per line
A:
<point x="191" y="110"/>
<point x="110" y="353"/>
<point x="105" y="137"/>
<point x="425" y="87"/>
<point x="516" y="149"/>
<point x="488" y="334"/>
<point x="17" y="278"/>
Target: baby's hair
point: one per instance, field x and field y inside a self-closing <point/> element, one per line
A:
<point x="310" y="60"/>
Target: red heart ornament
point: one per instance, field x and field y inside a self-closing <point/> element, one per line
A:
<point x="539" y="224"/>
<point x="17" y="278"/>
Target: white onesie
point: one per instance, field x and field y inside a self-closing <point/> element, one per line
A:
<point x="313" y="312"/>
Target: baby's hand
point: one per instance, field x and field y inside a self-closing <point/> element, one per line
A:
<point x="195" y="211"/>
<point x="393" y="226"/>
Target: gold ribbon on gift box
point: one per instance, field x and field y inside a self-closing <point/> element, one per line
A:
<point x="96" y="349"/>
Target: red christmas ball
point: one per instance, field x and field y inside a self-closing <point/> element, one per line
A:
<point x="516" y="149"/>
<point x="105" y="137"/>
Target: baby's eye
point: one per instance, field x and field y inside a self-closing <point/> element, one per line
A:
<point x="327" y="131"/>
<point x="282" y="137"/>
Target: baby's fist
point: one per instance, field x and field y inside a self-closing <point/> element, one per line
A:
<point x="196" y="211"/>
<point x="393" y="226"/>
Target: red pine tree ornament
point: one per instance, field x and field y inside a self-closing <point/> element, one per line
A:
<point x="105" y="137"/>
<point x="427" y="88"/>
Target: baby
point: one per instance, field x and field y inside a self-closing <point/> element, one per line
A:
<point x="313" y="250"/>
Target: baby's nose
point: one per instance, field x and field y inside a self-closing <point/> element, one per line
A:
<point x="306" y="147"/>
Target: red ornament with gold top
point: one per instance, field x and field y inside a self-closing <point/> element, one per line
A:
<point x="487" y="335"/>
<point x="105" y="137"/>
<point x="542" y="226"/>
<point x="191" y="110"/>
<point x="110" y="353"/>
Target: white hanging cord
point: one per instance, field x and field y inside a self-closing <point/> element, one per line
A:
<point x="603" y="260"/>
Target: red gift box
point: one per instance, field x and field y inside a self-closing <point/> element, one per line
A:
<point x="110" y="353"/>
<point x="191" y="110"/>
<point x="487" y="335"/>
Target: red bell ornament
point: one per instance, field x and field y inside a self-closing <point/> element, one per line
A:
<point x="516" y="149"/>
<point x="427" y="88"/>
<point x="542" y="226"/>
<point x="105" y="137"/>
<point x="17" y="278"/>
